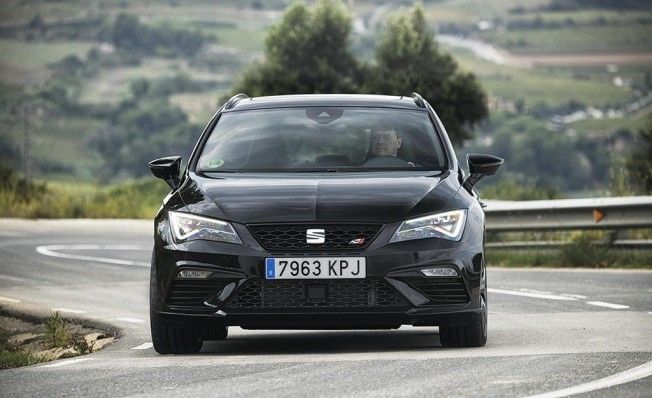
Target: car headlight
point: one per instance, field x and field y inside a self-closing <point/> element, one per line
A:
<point x="448" y="225"/>
<point x="187" y="227"/>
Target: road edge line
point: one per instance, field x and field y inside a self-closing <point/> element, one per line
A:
<point x="639" y="372"/>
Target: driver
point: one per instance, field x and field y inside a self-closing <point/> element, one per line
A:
<point x="384" y="140"/>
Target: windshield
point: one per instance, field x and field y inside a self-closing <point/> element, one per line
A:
<point x="322" y="139"/>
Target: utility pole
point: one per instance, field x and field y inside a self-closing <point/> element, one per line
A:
<point x="27" y="144"/>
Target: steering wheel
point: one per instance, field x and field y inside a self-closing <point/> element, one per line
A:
<point x="386" y="161"/>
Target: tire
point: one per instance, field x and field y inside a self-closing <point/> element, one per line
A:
<point x="471" y="335"/>
<point x="166" y="337"/>
<point x="172" y="339"/>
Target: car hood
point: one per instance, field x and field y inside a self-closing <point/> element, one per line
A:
<point x="341" y="198"/>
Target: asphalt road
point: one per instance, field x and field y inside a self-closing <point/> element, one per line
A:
<point x="551" y="332"/>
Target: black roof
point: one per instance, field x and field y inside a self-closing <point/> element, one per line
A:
<point x="301" y="100"/>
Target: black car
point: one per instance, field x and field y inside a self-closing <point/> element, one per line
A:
<point x="319" y="212"/>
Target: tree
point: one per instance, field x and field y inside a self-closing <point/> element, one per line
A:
<point x="408" y="59"/>
<point x="639" y="165"/>
<point x="140" y="131"/>
<point x="307" y="52"/>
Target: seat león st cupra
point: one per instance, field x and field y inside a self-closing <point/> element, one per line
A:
<point x="320" y="212"/>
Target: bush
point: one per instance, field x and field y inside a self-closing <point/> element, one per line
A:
<point x="585" y="250"/>
<point x="517" y="187"/>
<point x="19" y="188"/>
<point x="639" y="164"/>
<point x="56" y="332"/>
<point x="141" y="131"/>
<point x="133" y="199"/>
<point x="129" y="34"/>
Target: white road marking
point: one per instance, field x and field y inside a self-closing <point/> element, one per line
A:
<point x="9" y="300"/>
<point x="68" y="310"/>
<point x="627" y="376"/>
<point x="51" y="250"/>
<point x="577" y="296"/>
<point x="533" y="295"/>
<point x="11" y="234"/>
<point x="143" y="346"/>
<point x="608" y="305"/>
<point x="534" y="291"/>
<point x="15" y="278"/>
<point x="64" y="363"/>
<point x="131" y="320"/>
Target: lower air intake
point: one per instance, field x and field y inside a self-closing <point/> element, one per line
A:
<point x="342" y="295"/>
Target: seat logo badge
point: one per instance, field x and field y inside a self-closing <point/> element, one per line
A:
<point x="315" y="236"/>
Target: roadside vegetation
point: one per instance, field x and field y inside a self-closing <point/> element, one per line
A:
<point x="134" y="199"/>
<point x="612" y="258"/>
<point x="24" y="342"/>
<point x="92" y="95"/>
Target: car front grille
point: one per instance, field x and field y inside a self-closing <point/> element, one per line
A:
<point x="191" y="294"/>
<point x="292" y="237"/>
<point x="441" y="290"/>
<point x="343" y="295"/>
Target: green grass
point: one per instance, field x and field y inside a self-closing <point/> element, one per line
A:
<point x="245" y="39"/>
<point x="65" y="199"/>
<point x="236" y="35"/>
<point x="632" y="122"/>
<point x="581" y="250"/>
<point x="198" y="106"/>
<point x="551" y="258"/>
<point x="582" y="16"/>
<point x="58" y="144"/>
<point x="539" y="85"/>
<point x="20" y="11"/>
<point x="26" y="62"/>
<point x="112" y="85"/>
<point x="11" y="358"/>
<point x="585" y="39"/>
<point x="471" y="11"/>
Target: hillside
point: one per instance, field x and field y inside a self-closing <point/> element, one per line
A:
<point x="568" y="80"/>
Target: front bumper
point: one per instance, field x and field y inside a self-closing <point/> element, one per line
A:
<point x="316" y="321"/>
<point x="394" y="293"/>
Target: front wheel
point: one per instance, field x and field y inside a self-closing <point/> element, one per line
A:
<point x="473" y="334"/>
<point x="171" y="339"/>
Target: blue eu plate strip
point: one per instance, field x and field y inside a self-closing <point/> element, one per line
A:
<point x="270" y="268"/>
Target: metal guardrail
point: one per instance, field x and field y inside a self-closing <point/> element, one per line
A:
<point x="617" y="213"/>
<point x="604" y="213"/>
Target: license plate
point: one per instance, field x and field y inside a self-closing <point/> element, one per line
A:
<point x="315" y="267"/>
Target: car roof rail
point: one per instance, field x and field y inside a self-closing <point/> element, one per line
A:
<point x="234" y="100"/>
<point x="418" y="100"/>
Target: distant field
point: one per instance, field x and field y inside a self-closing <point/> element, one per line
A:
<point x="20" y="11"/>
<point x="112" y="85"/>
<point x="58" y="145"/>
<point x="470" y="11"/>
<point x="61" y="143"/>
<point x="632" y="122"/>
<point x="25" y="62"/>
<point x="232" y="34"/>
<point x="540" y="85"/>
<point x="585" y="39"/>
<point x="198" y="106"/>
<point x="580" y="16"/>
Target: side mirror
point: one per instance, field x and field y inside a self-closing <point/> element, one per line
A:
<point x="167" y="169"/>
<point x="480" y="166"/>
